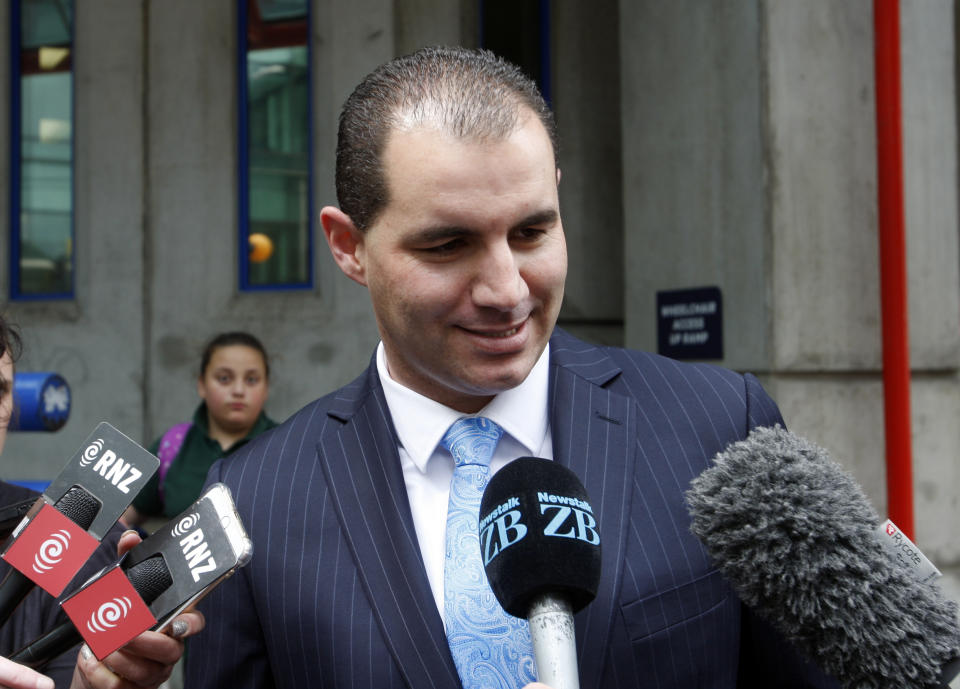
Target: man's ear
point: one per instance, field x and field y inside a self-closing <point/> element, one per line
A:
<point x="344" y="240"/>
<point x="558" y="177"/>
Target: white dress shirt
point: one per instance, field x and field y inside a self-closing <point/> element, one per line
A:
<point x="428" y="467"/>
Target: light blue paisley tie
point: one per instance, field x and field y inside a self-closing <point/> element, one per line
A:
<point x="492" y="650"/>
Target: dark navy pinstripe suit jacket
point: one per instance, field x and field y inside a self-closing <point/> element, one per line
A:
<point x="336" y="594"/>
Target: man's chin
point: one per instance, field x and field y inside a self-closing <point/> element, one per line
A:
<point x="501" y="381"/>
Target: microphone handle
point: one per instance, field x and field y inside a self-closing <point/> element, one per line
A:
<point x="554" y="641"/>
<point x="13" y="590"/>
<point x="42" y="650"/>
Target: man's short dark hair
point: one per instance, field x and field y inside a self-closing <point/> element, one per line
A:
<point x="468" y="93"/>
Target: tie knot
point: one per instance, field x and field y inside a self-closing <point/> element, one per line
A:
<point x="472" y="440"/>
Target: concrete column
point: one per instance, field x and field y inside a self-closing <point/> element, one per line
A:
<point x="750" y="163"/>
<point x="694" y="174"/>
<point x="95" y="340"/>
<point x="586" y="100"/>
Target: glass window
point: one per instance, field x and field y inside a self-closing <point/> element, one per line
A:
<point x="275" y="151"/>
<point x="41" y="198"/>
<point x="519" y="31"/>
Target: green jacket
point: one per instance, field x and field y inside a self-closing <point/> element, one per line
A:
<point x="188" y="472"/>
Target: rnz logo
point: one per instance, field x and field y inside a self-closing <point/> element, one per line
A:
<point x="118" y="472"/>
<point x="51" y="551"/>
<point x="194" y="547"/>
<point x="109" y="615"/>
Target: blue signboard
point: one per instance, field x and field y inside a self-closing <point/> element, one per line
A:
<point x="690" y="323"/>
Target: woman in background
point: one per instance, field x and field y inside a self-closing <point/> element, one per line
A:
<point x="146" y="661"/>
<point x="233" y="385"/>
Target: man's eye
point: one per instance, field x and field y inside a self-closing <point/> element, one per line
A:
<point x="530" y="233"/>
<point x="445" y="248"/>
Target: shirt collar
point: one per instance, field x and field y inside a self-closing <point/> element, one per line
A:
<point x="421" y="422"/>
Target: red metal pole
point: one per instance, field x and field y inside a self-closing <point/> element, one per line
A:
<point x="893" y="270"/>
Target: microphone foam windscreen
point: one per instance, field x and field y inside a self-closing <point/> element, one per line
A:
<point x="796" y="537"/>
<point x="79" y="505"/>
<point x="538" y="534"/>
<point x="150" y="578"/>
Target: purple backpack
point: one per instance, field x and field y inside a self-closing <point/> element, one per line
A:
<point x="170" y="445"/>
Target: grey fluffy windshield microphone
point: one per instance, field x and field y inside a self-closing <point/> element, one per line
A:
<point x="796" y="537"/>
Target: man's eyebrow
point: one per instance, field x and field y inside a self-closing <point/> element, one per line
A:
<point x="545" y="217"/>
<point x="440" y="233"/>
<point x="446" y="232"/>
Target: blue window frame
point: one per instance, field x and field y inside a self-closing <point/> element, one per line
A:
<point x="41" y="149"/>
<point x="275" y="145"/>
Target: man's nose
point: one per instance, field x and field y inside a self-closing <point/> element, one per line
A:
<point x="499" y="282"/>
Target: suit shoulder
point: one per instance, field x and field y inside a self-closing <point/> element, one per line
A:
<point x="634" y="362"/>
<point x="640" y="361"/>
<point x="605" y="363"/>
<point x="287" y="444"/>
<point x="690" y="381"/>
<point x="646" y="376"/>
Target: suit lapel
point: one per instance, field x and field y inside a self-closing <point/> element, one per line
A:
<point x="594" y="434"/>
<point x="359" y="458"/>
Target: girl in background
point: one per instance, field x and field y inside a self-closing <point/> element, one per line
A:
<point x="233" y="384"/>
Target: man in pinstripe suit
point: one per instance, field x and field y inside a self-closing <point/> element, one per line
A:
<point x="447" y="182"/>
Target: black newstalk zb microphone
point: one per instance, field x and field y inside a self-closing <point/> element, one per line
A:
<point x="797" y="538"/>
<point x="541" y="551"/>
